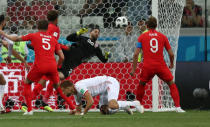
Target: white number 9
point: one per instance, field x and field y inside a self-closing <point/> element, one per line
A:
<point x="154" y="45"/>
<point x="46" y="41"/>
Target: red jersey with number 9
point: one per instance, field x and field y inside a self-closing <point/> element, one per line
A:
<point x="153" y="43"/>
<point x="44" y="47"/>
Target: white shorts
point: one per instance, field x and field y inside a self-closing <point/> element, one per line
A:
<point x="111" y="93"/>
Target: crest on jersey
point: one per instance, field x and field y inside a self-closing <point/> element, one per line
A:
<point x="82" y="91"/>
<point x="55" y="34"/>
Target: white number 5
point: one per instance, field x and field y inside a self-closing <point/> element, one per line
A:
<point x="154" y="45"/>
<point x="46" y="41"/>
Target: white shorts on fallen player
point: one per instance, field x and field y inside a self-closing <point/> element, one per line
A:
<point x="112" y="92"/>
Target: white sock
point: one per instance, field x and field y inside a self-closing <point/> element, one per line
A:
<point x="1" y="95"/>
<point x="123" y="104"/>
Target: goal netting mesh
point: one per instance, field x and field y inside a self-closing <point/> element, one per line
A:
<point x="22" y="15"/>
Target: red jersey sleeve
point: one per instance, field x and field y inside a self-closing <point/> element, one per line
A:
<point x="139" y="43"/>
<point x="27" y="37"/>
<point x="167" y="44"/>
<point x="64" y="47"/>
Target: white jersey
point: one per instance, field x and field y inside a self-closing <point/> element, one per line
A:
<point x="98" y="85"/>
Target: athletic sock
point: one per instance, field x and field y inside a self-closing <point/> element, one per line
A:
<point x="124" y="104"/>
<point x="71" y="106"/>
<point x="2" y="87"/>
<point x="28" y="96"/>
<point x="49" y="92"/>
<point x="140" y="92"/>
<point x="175" y="94"/>
<point x="37" y="90"/>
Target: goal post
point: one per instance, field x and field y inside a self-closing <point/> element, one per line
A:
<point x="168" y="14"/>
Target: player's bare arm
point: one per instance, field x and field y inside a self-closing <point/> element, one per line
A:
<point x="135" y="60"/>
<point x="171" y="56"/>
<point x="15" y="53"/>
<point x="11" y="37"/>
<point x="89" y="100"/>
<point x="61" y="57"/>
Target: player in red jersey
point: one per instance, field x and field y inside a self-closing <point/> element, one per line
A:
<point x="45" y="63"/>
<point x="152" y="43"/>
<point x="54" y="31"/>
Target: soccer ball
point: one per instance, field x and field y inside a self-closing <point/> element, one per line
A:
<point x="121" y="21"/>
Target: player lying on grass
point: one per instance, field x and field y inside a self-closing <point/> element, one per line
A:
<point x="45" y="64"/>
<point x="152" y="43"/>
<point x="83" y="48"/>
<point x="8" y="44"/>
<point x="106" y="87"/>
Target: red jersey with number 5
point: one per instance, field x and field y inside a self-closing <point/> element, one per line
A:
<point x="153" y="43"/>
<point x="53" y="30"/>
<point x="44" y="47"/>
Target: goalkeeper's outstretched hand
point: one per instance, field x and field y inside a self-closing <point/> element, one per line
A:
<point x="107" y="55"/>
<point x="82" y="31"/>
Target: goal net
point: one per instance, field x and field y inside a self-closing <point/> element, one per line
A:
<point x="21" y="19"/>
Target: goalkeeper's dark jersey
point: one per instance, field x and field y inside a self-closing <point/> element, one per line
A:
<point x="83" y="48"/>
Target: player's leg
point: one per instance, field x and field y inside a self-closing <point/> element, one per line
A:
<point x="39" y="86"/>
<point x="50" y="87"/>
<point x="165" y="75"/>
<point x="2" y="87"/>
<point x="146" y="75"/>
<point x="140" y="91"/>
<point x="55" y="79"/>
<point x="63" y="74"/>
<point x="28" y="97"/>
<point x="48" y="92"/>
<point x="113" y="93"/>
<point x="33" y="76"/>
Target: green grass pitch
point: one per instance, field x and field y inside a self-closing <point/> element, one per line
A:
<point x="121" y="119"/>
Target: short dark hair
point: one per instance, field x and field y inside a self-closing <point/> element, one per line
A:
<point x="66" y="83"/>
<point x="151" y="22"/>
<point x="52" y="15"/>
<point x="2" y="18"/>
<point x="93" y="26"/>
<point x="42" y="25"/>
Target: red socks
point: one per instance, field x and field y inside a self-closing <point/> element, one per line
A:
<point x="71" y="106"/>
<point x="37" y="90"/>
<point x="140" y="92"/>
<point x="28" y="96"/>
<point x="175" y="94"/>
<point x="48" y="92"/>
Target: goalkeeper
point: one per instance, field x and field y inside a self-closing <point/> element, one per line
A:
<point x="83" y="48"/>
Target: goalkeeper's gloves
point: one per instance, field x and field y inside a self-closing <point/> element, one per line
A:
<point x="107" y="55"/>
<point x="82" y="31"/>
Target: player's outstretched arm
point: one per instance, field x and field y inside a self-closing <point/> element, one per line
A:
<point x="171" y="56"/>
<point x="61" y="57"/>
<point x="89" y="100"/>
<point x="15" y="53"/>
<point x="11" y="37"/>
<point x="135" y="60"/>
<point x="75" y="37"/>
<point x="102" y="58"/>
